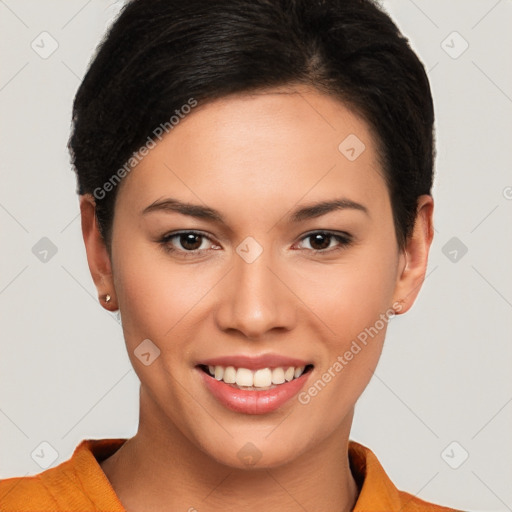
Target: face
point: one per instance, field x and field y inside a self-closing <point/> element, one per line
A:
<point x="256" y="276"/>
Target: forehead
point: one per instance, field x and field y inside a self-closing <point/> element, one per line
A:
<point x="281" y="144"/>
<point x="285" y="116"/>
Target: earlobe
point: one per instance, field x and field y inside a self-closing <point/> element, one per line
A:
<point x="98" y="257"/>
<point x="415" y="257"/>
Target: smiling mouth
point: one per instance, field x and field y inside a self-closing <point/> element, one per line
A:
<point x="261" y="379"/>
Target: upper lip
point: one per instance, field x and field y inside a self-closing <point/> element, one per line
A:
<point x="255" y="362"/>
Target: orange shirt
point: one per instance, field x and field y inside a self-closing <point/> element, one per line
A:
<point x="80" y="485"/>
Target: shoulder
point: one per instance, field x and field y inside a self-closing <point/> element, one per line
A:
<point x="76" y="484"/>
<point x="410" y="503"/>
<point x="27" y="491"/>
<point x="377" y="493"/>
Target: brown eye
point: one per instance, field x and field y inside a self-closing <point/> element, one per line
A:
<point x="186" y="243"/>
<point x="189" y="241"/>
<point x="321" y="241"/>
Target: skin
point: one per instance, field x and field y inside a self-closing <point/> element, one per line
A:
<point x="254" y="158"/>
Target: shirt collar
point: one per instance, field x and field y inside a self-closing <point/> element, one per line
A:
<point x="376" y="491"/>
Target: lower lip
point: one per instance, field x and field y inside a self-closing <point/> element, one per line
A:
<point x="253" y="402"/>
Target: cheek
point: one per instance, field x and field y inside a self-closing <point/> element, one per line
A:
<point x="353" y="308"/>
<point x="350" y="295"/>
<point x="144" y="291"/>
<point x="352" y="301"/>
<point x="156" y="296"/>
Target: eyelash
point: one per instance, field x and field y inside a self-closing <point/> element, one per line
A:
<point x="345" y="240"/>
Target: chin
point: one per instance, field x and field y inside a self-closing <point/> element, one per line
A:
<point x="255" y="449"/>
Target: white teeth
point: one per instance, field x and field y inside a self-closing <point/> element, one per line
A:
<point x="264" y="378"/>
<point x="277" y="376"/>
<point x="244" y="377"/>
<point x="289" y="374"/>
<point x="229" y="375"/>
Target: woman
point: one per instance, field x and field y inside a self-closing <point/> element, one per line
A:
<point x="255" y="191"/>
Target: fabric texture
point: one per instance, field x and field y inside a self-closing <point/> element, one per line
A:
<point x="80" y="485"/>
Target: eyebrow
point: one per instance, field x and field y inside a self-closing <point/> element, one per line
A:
<point x="307" y="212"/>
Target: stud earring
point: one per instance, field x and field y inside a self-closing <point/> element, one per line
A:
<point x="107" y="298"/>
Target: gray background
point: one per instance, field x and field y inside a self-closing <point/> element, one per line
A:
<point x="444" y="376"/>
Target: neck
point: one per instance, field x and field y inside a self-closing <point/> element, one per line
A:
<point x="159" y="469"/>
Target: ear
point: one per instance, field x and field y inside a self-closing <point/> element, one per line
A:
<point x="414" y="258"/>
<point x="98" y="257"/>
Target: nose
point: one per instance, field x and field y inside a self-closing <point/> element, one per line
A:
<point x="255" y="298"/>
